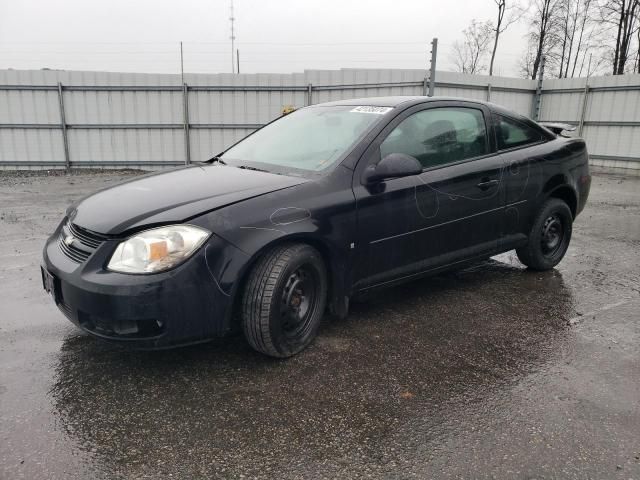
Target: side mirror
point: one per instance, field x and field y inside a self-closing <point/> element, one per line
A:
<point x="394" y="165"/>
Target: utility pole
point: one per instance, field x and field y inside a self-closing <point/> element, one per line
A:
<point x="585" y="97"/>
<point x="233" y="38"/>
<point x="537" y="99"/>
<point x="238" y="60"/>
<point x="181" y="65"/>
<point x="432" y="68"/>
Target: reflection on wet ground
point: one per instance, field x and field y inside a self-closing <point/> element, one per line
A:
<point x="395" y="362"/>
<point x="492" y="370"/>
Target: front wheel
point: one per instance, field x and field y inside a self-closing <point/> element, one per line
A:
<point x="284" y="300"/>
<point x="549" y="237"/>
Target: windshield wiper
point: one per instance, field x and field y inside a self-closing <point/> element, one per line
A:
<point x="217" y="159"/>
<point x="246" y="167"/>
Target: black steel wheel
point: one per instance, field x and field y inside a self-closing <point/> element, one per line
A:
<point x="549" y="236"/>
<point x="299" y="298"/>
<point x="284" y="300"/>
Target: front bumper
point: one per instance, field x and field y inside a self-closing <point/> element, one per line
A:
<point x="187" y="304"/>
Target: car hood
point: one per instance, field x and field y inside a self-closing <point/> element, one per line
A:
<point x="172" y="197"/>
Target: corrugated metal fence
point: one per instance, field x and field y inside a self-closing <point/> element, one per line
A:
<point x="59" y="118"/>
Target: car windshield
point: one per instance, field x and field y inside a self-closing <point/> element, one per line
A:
<point x="309" y="140"/>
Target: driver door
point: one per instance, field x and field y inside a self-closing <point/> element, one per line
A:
<point x="451" y="212"/>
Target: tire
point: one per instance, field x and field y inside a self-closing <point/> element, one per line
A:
<point x="549" y="237"/>
<point x="284" y="300"/>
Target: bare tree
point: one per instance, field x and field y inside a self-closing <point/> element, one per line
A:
<point x="570" y="35"/>
<point x="574" y="19"/>
<point x="584" y="20"/>
<point x="470" y="54"/>
<point x="526" y="61"/>
<point x="637" y="66"/>
<point x="568" y="23"/>
<point x="544" y="22"/>
<point x="623" y="16"/>
<point x="507" y="15"/>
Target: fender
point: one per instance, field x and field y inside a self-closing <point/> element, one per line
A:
<point x="297" y="214"/>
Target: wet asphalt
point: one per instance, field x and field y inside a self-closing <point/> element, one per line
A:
<point x="488" y="372"/>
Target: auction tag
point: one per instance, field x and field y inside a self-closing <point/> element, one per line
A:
<point x="370" y="109"/>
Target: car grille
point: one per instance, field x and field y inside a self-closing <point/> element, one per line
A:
<point x="78" y="243"/>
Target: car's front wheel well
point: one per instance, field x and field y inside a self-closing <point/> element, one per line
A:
<point x="246" y="271"/>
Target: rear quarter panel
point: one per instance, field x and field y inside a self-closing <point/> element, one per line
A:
<point x="558" y="163"/>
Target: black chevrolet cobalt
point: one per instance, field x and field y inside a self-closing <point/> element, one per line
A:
<point x="327" y="202"/>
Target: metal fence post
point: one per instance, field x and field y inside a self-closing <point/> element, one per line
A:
<point x="309" y="94"/>
<point x="488" y="92"/>
<point x="537" y="100"/>
<point x="425" y="86"/>
<point x="583" y="112"/>
<point x="63" y="126"/>
<point x="185" y="104"/>
<point x="432" y="70"/>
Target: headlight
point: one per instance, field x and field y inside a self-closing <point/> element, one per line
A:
<point x="157" y="249"/>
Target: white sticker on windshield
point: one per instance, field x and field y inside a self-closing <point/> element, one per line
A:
<point x="369" y="109"/>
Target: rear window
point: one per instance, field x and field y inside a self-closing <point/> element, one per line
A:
<point x="512" y="133"/>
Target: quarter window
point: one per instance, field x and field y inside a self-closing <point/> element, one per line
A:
<point x="512" y="133"/>
<point x="439" y="136"/>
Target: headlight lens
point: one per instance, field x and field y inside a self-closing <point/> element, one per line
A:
<point x="157" y="249"/>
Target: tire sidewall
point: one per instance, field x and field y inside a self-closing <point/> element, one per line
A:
<point x="290" y="345"/>
<point x="552" y="206"/>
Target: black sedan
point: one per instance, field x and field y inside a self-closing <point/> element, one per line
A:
<point x="330" y="201"/>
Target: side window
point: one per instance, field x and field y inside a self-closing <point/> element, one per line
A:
<point x="439" y="136"/>
<point x="512" y="133"/>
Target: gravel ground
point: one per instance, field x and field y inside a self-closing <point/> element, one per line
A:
<point x="488" y="372"/>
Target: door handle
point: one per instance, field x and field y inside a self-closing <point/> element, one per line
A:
<point x="485" y="184"/>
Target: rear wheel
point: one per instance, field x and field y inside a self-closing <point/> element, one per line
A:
<point x="284" y="300"/>
<point x="549" y="236"/>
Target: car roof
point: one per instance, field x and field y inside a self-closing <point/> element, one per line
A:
<point x="395" y="101"/>
<point x="406" y="101"/>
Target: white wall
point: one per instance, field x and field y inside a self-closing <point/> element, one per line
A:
<point x="124" y="120"/>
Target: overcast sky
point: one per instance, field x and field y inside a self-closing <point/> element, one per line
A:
<point x="272" y="36"/>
